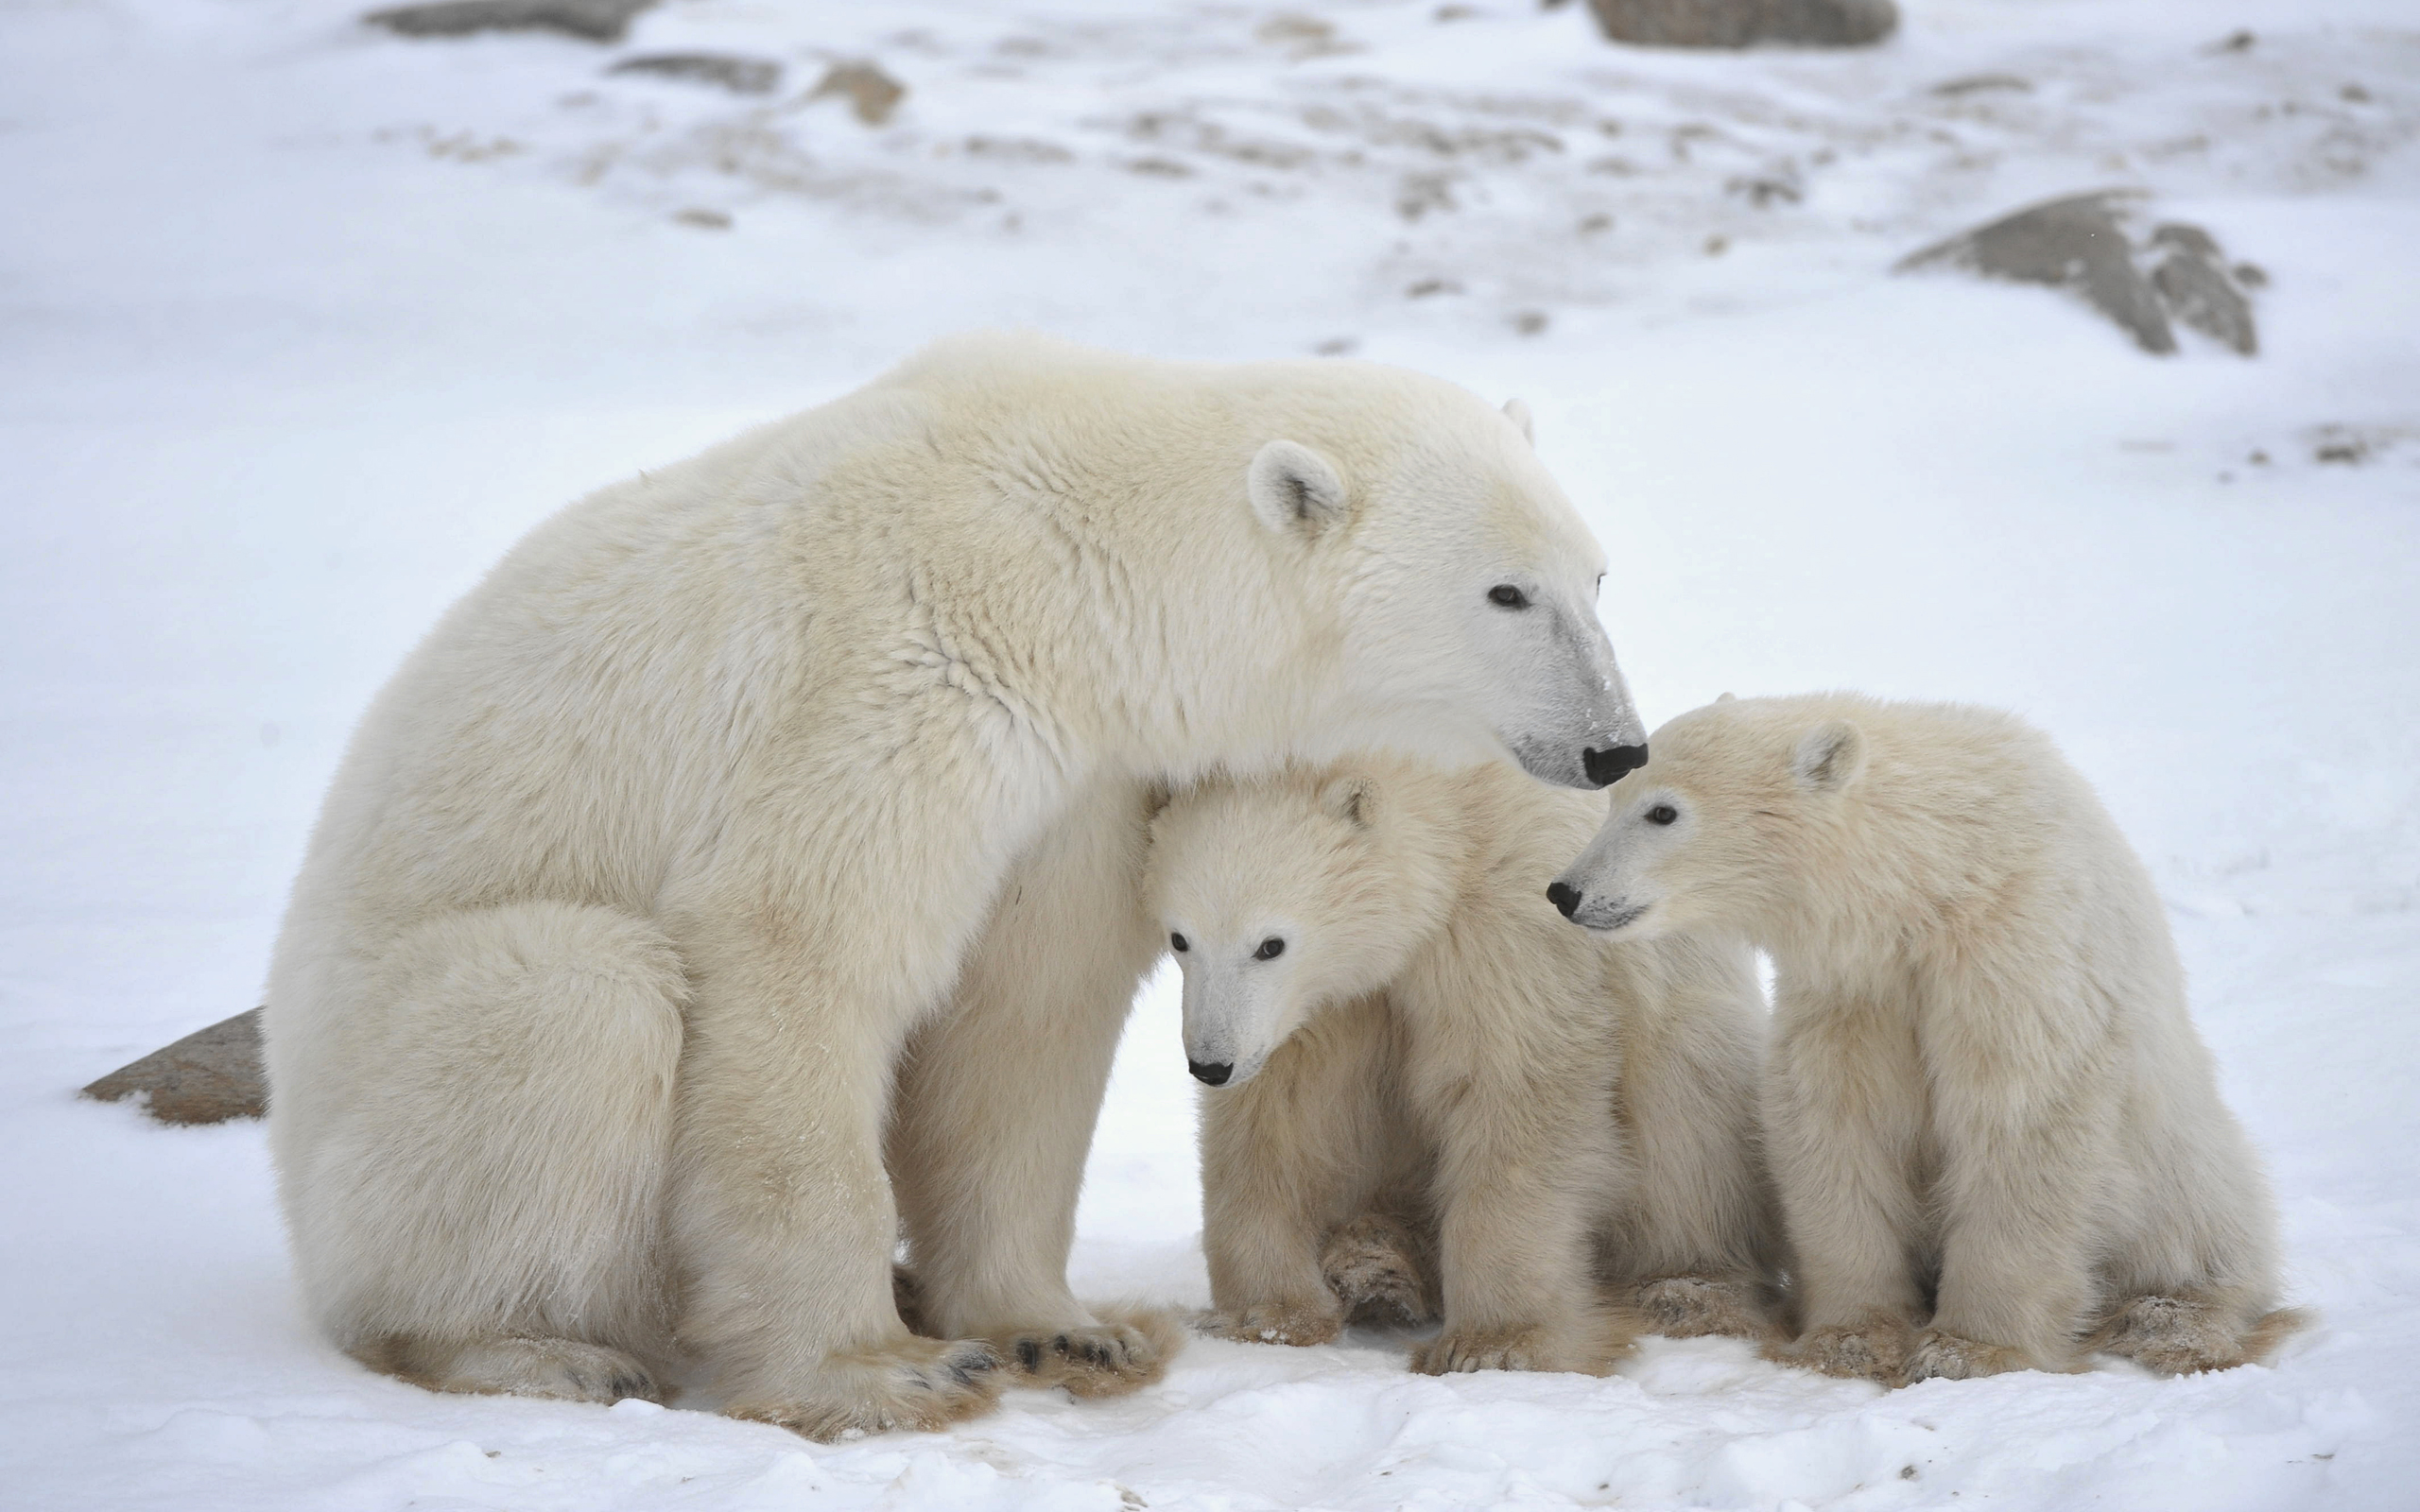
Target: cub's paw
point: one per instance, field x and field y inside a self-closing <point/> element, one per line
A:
<point x="2177" y="1337"/>
<point x="1867" y="1351"/>
<point x="514" y="1365"/>
<point x="1589" y="1347"/>
<point x="1373" y="1267"/>
<point x="914" y="1384"/>
<point x="1940" y="1355"/>
<point x="1127" y="1351"/>
<point x="1296" y="1323"/>
<point x="1689" y="1307"/>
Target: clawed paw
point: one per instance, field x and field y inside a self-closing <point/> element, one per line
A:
<point x="1372" y="1265"/>
<point x="1124" y="1352"/>
<point x="1869" y="1351"/>
<point x="1944" y="1356"/>
<point x="2173" y="1335"/>
<point x="918" y="1385"/>
<point x="1689" y="1307"/>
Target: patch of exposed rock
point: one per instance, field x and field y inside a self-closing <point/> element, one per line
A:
<point x="1744" y="23"/>
<point x="593" y="20"/>
<point x="209" y="1077"/>
<point x="741" y="76"/>
<point x="2086" y="244"/>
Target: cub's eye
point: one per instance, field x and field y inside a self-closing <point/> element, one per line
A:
<point x="1177" y="943"/>
<point x="1504" y="596"/>
<point x="1660" y="813"/>
<point x="1270" y="950"/>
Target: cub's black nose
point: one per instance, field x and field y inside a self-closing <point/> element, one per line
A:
<point x="1606" y="767"/>
<point x="1565" y="898"/>
<point x="1214" y="1074"/>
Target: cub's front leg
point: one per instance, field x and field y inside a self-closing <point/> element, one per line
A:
<point x="1284" y="1157"/>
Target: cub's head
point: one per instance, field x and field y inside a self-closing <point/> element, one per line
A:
<point x="1463" y="583"/>
<point x="1280" y="896"/>
<point x="1703" y="836"/>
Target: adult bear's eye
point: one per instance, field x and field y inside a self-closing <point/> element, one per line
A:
<point x="1177" y="941"/>
<point x="1270" y="950"/>
<point x="1660" y="813"/>
<point x="1504" y="595"/>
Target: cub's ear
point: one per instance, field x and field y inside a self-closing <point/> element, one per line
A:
<point x="1519" y="413"/>
<point x="1725" y="697"/>
<point x="1829" y="757"/>
<point x="1353" y="798"/>
<point x="1294" y="488"/>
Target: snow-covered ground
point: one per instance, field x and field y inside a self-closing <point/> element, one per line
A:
<point x="301" y="323"/>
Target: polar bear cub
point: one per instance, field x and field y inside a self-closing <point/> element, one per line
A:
<point x="1997" y="1139"/>
<point x="1430" y="1090"/>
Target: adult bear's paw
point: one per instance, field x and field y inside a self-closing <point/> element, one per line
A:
<point x="1296" y="1323"/>
<point x="1373" y="1265"/>
<point x="1127" y="1351"/>
<point x="1876" y="1351"/>
<point x="1941" y="1355"/>
<point x="1589" y="1346"/>
<point x="1690" y="1307"/>
<point x="515" y="1366"/>
<point x="913" y="1384"/>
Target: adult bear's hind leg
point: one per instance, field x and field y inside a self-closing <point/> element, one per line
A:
<point x="476" y="1198"/>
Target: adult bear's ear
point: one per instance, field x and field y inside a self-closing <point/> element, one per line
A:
<point x="1829" y="757"/>
<point x="1725" y="697"/>
<point x="1294" y="488"/>
<point x="1519" y="413"/>
<point x="1353" y="798"/>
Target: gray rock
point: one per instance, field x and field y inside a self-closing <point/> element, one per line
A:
<point x="1740" y="23"/>
<point x="2073" y="244"/>
<point x="209" y="1077"/>
<point x="741" y="76"/>
<point x="594" y="20"/>
<point x="2194" y="282"/>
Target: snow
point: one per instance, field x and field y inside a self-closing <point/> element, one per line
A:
<point x="300" y="324"/>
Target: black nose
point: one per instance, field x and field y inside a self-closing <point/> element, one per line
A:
<point x="1565" y="898"/>
<point x="1215" y="1074"/>
<point x="1606" y="767"/>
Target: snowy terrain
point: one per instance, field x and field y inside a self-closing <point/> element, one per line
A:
<point x="300" y="323"/>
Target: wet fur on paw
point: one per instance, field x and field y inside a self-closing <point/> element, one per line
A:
<point x="1590" y="1345"/>
<point x="1942" y="1356"/>
<point x="514" y="1365"/>
<point x="912" y="1383"/>
<point x="1875" y="1350"/>
<point x="1128" y="1351"/>
<point x="2177" y="1337"/>
<point x="1374" y="1266"/>
<point x="1297" y="1324"/>
<point x="1690" y="1307"/>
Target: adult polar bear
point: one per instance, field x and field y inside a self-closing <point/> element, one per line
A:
<point x="640" y="873"/>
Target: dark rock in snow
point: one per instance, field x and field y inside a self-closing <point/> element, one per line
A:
<point x="594" y="20"/>
<point x="1740" y="23"/>
<point x="209" y="1077"/>
<point x="741" y="76"/>
<point x="2081" y="244"/>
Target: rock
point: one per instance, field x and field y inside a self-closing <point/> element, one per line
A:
<point x="2081" y="244"/>
<point x="2193" y="281"/>
<point x="1739" y="23"/>
<point x="594" y="20"/>
<point x="209" y="1077"/>
<point x="741" y="76"/>
<point x="872" y="94"/>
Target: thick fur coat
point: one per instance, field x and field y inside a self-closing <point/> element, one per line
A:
<point x="742" y="792"/>
<point x="1431" y="1096"/>
<point x="1997" y="1138"/>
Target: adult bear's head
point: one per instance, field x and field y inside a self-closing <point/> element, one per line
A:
<point x="1463" y="582"/>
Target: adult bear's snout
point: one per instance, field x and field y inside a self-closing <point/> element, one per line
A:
<point x="1607" y="767"/>
<point x="1211" y="1073"/>
<point x="1563" y="896"/>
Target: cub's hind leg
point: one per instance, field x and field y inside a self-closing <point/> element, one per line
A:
<point x="474" y="1151"/>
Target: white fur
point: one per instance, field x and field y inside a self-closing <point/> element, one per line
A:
<point x="651" y="863"/>
<point x="1427" y="1062"/>
<point x="1989" y="1113"/>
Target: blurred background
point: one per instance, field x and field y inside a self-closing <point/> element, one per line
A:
<point x="305" y="316"/>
